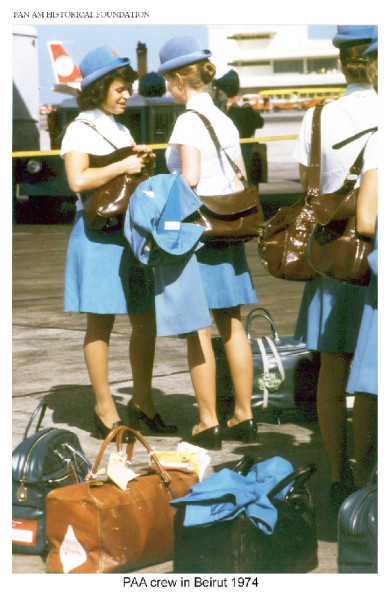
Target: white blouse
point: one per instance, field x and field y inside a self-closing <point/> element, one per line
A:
<point x="80" y="137"/>
<point x="216" y="175"/>
<point x="355" y="111"/>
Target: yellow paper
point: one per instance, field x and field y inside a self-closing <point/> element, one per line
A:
<point x="179" y="459"/>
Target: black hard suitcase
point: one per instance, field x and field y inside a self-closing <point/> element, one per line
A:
<point x="238" y="546"/>
<point x="357" y="532"/>
<point x="292" y="388"/>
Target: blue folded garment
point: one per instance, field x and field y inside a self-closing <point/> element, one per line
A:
<point x="226" y="494"/>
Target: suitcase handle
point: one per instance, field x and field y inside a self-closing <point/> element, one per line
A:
<point x="261" y="312"/>
<point x="41" y="407"/>
<point x="119" y="431"/>
<point x="297" y="477"/>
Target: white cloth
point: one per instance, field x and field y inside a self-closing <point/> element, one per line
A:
<point x="216" y="173"/>
<point x="81" y="138"/>
<point x="356" y="110"/>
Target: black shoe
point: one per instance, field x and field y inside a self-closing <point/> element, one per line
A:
<point x="245" y="465"/>
<point x="156" y="425"/>
<point x="101" y="431"/>
<point x="338" y="492"/>
<point x="246" y="431"/>
<point x="210" y="439"/>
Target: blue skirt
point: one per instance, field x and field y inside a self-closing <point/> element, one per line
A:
<point x="363" y="377"/>
<point x="330" y="315"/>
<point x="102" y="275"/>
<point x="225" y="275"/>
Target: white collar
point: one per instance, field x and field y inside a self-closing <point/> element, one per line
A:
<point x="95" y="115"/>
<point x="353" y="88"/>
<point x="203" y="99"/>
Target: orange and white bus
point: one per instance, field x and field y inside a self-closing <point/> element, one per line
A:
<point x="276" y="99"/>
<point x="298" y="98"/>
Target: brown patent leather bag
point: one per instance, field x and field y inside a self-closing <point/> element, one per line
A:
<point x="283" y="238"/>
<point x="105" y="207"/>
<point x="232" y="217"/>
<point x="97" y="527"/>
<point x="335" y="249"/>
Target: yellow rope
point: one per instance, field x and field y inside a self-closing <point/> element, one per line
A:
<point x="32" y="153"/>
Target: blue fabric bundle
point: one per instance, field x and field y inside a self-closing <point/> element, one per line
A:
<point x="159" y="238"/>
<point x="226" y="494"/>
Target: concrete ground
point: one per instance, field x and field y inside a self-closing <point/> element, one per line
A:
<point x="48" y="364"/>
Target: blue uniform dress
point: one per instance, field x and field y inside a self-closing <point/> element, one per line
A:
<point x="363" y="377"/>
<point x="223" y="267"/>
<point x="102" y="275"/>
<point x="330" y="312"/>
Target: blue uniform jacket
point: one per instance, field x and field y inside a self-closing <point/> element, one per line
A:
<point x="226" y="494"/>
<point x="159" y="238"/>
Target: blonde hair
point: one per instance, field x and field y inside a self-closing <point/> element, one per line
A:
<point x="198" y="76"/>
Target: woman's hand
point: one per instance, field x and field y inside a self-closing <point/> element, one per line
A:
<point x="149" y="162"/>
<point x="134" y="163"/>
<point x="144" y="149"/>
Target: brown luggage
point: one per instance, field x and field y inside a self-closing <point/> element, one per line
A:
<point x="283" y="238"/>
<point x="97" y="527"/>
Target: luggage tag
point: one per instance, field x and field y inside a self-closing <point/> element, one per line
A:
<point x="119" y="471"/>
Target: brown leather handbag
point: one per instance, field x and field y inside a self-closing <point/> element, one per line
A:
<point x="335" y="249"/>
<point x="283" y="238"/>
<point x="229" y="217"/>
<point x="105" y="207"/>
<point x="97" y="527"/>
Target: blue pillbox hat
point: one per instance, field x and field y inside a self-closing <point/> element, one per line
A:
<point x="179" y="52"/>
<point x="99" y="62"/>
<point x="374" y="43"/>
<point x="352" y="34"/>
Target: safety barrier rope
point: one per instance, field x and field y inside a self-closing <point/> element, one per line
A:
<point x="26" y="154"/>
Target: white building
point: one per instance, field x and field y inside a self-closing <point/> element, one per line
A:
<point x="274" y="56"/>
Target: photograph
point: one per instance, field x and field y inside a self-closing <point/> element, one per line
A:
<point x="194" y="354"/>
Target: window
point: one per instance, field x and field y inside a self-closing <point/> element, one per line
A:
<point x="288" y="66"/>
<point x="321" y="65"/>
<point x="249" y="63"/>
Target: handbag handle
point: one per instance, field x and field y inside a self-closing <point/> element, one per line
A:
<point x="119" y="432"/>
<point x="315" y="156"/>
<point x="261" y="312"/>
<point x="299" y="478"/>
<point x="219" y="147"/>
<point x="41" y="407"/>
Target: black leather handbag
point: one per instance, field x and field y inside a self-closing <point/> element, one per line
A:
<point x="357" y="532"/>
<point x="47" y="459"/>
<point x="285" y="372"/>
<point x="238" y="546"/>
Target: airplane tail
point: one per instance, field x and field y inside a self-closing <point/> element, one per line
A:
<point x="66" y="72"/>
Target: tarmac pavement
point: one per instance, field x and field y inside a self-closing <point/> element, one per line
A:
<point x="48" y="364"/>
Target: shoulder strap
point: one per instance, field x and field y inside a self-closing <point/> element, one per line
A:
<point x="315" y="156"/>
<point x="219" y="147"/>
<point x="92" y="125"/>
<point x="354" y="137"/>
<point x="354" y="172"/>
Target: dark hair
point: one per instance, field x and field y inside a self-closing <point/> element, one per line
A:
<point x="95" y="93"/>
<point x="353" y="63"/>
